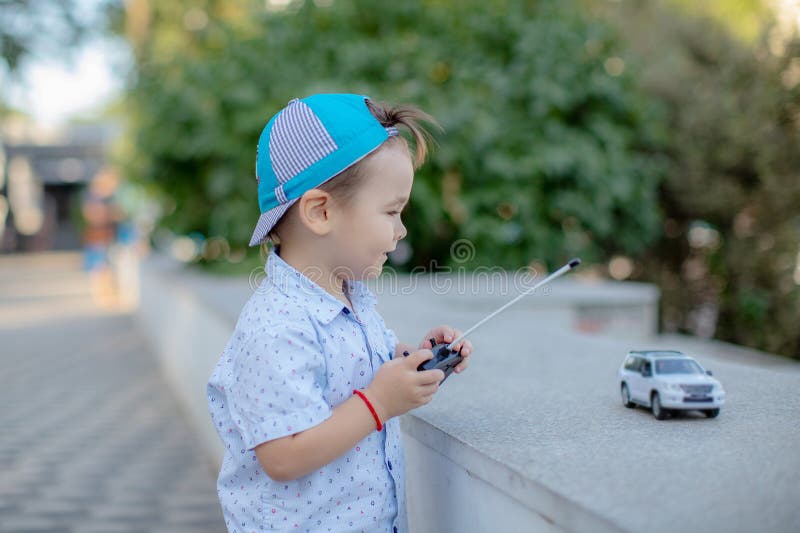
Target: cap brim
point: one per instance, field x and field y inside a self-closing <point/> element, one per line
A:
<point x="267" y="221"/>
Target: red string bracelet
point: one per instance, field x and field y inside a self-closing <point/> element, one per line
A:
<point x="371" y="409"/>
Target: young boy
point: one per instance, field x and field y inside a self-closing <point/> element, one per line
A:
<point x="307" y="391"/>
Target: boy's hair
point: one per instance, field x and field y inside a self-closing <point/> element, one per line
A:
<point x="344" y="185"/>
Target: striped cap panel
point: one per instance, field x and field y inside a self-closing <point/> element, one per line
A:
<point x="297" y="140"/>
<point x="267" y="221"/>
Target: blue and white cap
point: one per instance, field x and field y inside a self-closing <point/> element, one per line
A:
<point x="307" y="143"/>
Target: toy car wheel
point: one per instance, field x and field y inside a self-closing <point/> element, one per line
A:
<point x="711" y="413"/>
<point x="659" y="412"/>
<point x="626" y="397"/>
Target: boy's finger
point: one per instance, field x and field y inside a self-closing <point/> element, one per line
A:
<point x="428" y="377"/>
<point x="430" y="389"/>
<point x="428" y="342"/>
<point x="449" y="334"/>
<point x="437" y="335"/>
<point x="420" y="356"/>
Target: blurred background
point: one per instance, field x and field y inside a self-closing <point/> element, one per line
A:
<point x="659" y="141"/>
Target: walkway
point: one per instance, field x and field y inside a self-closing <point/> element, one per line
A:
<point x="91" y="440"/>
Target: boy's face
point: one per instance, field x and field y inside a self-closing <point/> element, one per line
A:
<point x="371" y="226"/>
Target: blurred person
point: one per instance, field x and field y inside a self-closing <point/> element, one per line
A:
<point x="307" y="391"/>
<point x="101" y="215"/>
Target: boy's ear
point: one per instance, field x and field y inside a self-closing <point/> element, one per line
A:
<point x="314" y="211"/>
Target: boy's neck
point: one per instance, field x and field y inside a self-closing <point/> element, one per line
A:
<point x="334" y="286"/>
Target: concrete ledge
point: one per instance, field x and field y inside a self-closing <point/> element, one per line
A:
<point x="188" y="336"/>
<point x="603" y="307"/>
<point x="533" y="437"/>
<point x="482" y="493"/>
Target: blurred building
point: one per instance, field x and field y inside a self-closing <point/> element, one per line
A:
<point x="43" y="177"/>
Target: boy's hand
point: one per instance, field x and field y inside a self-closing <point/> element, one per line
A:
<point x="398" y="387"/>
<point x="402" y="350"/>
<point x="448" y="334"/>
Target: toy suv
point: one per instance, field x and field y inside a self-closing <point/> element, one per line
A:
<point x="668" y="381"/>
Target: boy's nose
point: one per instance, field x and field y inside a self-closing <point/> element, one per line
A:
<point x="402" y="233"/>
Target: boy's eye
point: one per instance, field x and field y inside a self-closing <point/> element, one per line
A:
<point x="393" y="213"/>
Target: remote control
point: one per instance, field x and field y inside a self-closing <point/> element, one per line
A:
<point x="444" y="359"/>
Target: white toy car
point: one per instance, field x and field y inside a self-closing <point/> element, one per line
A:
<point x="668" y="381"/>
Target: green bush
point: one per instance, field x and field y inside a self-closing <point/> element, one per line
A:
<point x="731" y="199"/>
<point x="545" y="154"/>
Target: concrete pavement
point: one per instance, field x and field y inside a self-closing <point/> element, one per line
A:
<point x="91" y="438"/>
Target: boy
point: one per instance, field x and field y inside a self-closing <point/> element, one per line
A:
<point x="311" y="369"/>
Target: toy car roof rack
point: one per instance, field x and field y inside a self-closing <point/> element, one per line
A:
<point x="665" y="353"/>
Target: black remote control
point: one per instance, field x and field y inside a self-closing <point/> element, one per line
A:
<point x="443" y="359"/>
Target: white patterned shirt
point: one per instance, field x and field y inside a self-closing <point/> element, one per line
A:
<point x="296" y="353"/>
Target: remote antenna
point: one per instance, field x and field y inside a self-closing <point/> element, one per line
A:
<point x="561" y="271"/>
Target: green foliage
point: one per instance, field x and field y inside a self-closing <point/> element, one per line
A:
<point x="734" y="167"/>
<point x="558" y="134"/>
<point x="744" y="18"/>
<point x="545" y="154"/>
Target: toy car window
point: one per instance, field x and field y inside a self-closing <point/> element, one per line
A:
<point x="632" y="363"/>
<point x="646" y="367"/>
<point x="677" y="366"/>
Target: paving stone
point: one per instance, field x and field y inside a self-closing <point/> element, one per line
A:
<point x="187" y="529"/>
<point x="57" y="510"/>
<point x="25" y="524"/>
<point x="9" y="508"/>
<point x="190" y="518"/>
<point x="125" y="512"/>
<point x="106" y="526"/>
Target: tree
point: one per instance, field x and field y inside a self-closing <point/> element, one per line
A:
<point x="728" y="262"/>
<point x="548" y="145"/>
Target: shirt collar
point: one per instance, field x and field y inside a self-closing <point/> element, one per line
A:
<point x="360" y="294"/>
<point x="320" y="303"/>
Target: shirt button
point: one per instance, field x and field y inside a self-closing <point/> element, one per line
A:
<point x="346" y="310"/>
<point x="389" y="463"/>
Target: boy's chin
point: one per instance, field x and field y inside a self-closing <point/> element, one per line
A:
<point x="372" y="271"/>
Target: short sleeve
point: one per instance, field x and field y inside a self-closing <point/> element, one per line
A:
<point x="277" y="385"/>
